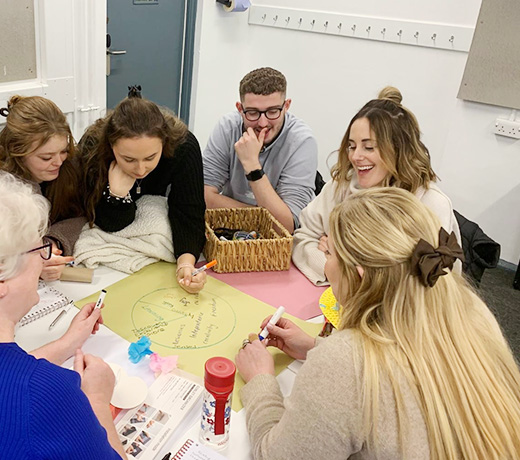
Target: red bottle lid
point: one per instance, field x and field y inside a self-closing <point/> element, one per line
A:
<point x="219" y="375"/>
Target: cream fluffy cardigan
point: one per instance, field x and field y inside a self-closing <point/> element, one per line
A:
<point x="314" y="221"/>
<point x="323" y="416"/>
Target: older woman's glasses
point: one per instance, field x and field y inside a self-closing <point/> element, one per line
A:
<point x="45" y="250"/>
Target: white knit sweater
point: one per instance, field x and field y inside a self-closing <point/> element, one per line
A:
<point x="314" y="221"/>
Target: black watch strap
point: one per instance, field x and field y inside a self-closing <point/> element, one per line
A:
<point x="255" y="175"/>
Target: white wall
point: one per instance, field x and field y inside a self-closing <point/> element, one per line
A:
<point x="330" y="78"/>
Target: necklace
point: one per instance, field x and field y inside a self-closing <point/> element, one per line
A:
<point x="138" y="189"/>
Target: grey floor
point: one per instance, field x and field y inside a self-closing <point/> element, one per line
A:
<point x="497" y="291"/>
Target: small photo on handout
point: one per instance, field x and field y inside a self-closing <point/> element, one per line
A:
<point x="161" y="416"/>
<point x="134" y="450"/>
<point x="128" y="431"/>
<point x="154" y="427"/>
<point x="138" y="418"/>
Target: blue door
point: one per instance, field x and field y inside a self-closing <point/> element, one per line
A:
<point x="145" y="47"/>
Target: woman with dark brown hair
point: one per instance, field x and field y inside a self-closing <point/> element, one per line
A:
<point x="37" y="145"/>
<point x="139" y="149"/>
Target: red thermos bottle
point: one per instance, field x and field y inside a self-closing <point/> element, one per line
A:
<point x="219" y="379"/>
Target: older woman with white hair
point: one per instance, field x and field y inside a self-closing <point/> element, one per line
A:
<point x="47" y="411"/>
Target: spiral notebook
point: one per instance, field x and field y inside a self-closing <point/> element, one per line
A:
<point x="50" y="300"/>
<point x="192" y="450"/>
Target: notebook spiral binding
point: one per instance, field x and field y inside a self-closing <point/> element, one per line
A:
<point x="180" y="453"/>
<point x="50" y="300"/>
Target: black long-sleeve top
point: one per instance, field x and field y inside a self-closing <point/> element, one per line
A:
<point x="186" y="205"/>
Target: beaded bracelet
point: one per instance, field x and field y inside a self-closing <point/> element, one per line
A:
<point x="110" y="195"/>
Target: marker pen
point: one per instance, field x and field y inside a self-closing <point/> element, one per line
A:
<point x="101" y="298"/>
<point x="202" y="269"/>
<point x="274" y="319"/>
<point x="61" y="315"/>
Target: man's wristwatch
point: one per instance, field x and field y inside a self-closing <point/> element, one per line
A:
<point x="255" y="175"/>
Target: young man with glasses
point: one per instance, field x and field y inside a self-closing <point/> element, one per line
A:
<point x="261" y="155"/>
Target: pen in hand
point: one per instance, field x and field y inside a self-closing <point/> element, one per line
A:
<point x="203" y="268"/>
<point x="274" y="319"/>
<point x="101" y="298"/>
<point x="61" y="315"/>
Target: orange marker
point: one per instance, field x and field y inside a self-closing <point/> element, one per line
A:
<point x="204" y="267"/>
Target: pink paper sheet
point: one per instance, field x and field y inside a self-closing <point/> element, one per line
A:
<point x="288" y="288"/>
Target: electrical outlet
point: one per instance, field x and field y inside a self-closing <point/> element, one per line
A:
<point x="508" y="128"/>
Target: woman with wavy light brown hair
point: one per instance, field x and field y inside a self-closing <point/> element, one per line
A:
<point x="418" y="368"/>
<point x="36" y="144"/>
<point x="381" y="147"/>
<point x="140" y="149"/>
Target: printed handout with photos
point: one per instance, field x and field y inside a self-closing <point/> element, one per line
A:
<point x="145" y="429"/>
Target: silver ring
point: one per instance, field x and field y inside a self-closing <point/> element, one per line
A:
<point x="245" y="343"/>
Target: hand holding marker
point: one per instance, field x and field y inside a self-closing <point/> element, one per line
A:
<point x="203" y="268"/>
<point x="101" y="298"/>
<point x="274" y="319"/>
<point x="67" y="308"/>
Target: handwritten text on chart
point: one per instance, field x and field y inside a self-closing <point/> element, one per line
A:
<point x="177" y="321"/>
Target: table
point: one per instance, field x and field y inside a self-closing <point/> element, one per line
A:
<point x="289" y="288"/>
<point x="114" y="349"/>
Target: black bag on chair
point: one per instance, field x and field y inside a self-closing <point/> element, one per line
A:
<point x="480" y="251"/>
<point x="318" y="183"/>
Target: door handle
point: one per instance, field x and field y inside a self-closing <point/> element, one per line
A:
<point x="88" y="109"/>
<point x="116" y="53"/>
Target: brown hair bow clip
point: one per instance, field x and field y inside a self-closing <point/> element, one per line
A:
<point x="429" y="263"/>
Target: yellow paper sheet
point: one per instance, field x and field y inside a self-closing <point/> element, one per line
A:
<point x="194" y="326"/>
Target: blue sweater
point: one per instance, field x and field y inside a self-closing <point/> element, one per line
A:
<point x="43" y="412"/>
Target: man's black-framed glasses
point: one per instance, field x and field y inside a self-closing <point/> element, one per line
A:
<point x="272" y="113"/>
<point x="45" y="249"/>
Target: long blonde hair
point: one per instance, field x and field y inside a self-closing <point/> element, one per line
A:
<point x="398" y="139"/>
<point x="443" y="339"/>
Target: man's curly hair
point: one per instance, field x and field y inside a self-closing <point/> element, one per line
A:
<point x="263" y="81"/>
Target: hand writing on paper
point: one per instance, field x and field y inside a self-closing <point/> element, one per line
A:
<point x="253" y="360"/>
<point x="191" y="284"/>
<point x="248" y="149"/>
<point x="289" y="338"/>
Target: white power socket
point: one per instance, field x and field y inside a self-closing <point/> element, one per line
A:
<point x="508" y="128"/>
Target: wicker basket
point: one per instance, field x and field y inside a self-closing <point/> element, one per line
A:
<point x="270" y="253"/>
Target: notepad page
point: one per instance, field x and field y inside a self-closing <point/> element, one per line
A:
<point x="50" y="300"/>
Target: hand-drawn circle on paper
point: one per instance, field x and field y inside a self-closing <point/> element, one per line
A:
<point x="172" y="318"/>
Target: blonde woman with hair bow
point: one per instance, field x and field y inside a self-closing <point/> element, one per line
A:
<point x="418" y="368"/>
